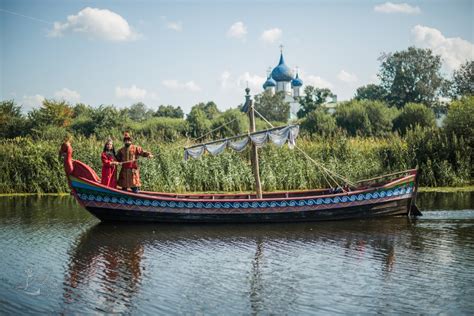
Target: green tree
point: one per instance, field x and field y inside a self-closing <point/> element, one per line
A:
<point x="273" y="107"/>
<point x="414" y="114"/>
<point x="312" y="99"/>
<point x="412" y="75"/>
<point x="235" y="122"/>
<point x="463" y="80"/>
<point x="82" y="110"/>
<point x="199" y="123"/>
<point x="12" y="121"/>
<point x="138" y="112"/>
<point x="460" y="119"/>
<point x="52" y="113"/>
<point x="169" y="111"/>
<point x="353" y="117"/>
<point x="380" y="117"/>
<point x="209" y="109"/>
<point x="319" y="122"/>
<point x="371" y="92"/>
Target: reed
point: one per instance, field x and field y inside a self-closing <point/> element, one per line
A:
<point x="33" y="166"/>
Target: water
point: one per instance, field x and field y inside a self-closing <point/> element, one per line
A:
<point x="56" y="258"/>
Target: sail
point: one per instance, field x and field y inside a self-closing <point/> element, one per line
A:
<point x="278" y="136"/>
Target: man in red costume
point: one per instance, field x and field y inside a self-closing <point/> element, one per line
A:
<point x="128" y="155"/>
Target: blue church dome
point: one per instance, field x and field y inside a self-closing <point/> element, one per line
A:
<point x="282" y="72"/>
<point x="269" y="83"/>
<point x="297" y="82"/>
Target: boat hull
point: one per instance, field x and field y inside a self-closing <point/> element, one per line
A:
<point x="391" y="198"/>
<point x="388" y="208"/>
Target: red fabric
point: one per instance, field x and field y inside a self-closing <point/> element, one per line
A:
<point x="66" y="153"/>
<point x="109" y="171"/>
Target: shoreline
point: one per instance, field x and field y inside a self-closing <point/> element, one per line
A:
<point x="469" y="188"/>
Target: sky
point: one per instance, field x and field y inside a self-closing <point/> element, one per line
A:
<point x="185" y="52"/>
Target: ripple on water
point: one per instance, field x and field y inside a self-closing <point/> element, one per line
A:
<point x="370" y="266"/>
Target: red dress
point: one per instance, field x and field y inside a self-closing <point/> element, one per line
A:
<point x="109" y="172"/>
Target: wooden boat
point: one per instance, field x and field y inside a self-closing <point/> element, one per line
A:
<point x="387" y="195"/>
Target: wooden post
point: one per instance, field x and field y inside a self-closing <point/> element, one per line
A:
<point x="254" y="149"/>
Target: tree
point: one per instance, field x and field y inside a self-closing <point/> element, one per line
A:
<point x="380" y="117"/>
<point x="12" y="122"/>
<point x="460" y="119"/>
<point x="463" y="80"/>
<point x="169" y="111"/>
<point x="138" y="112"/>
<point x="273" y="107"/>
<point x="353" y="117"/>
<point x="209" y="109"/>
<point x="412" y="75"/>
<point x="319" y="122"/>
<point x="371" y="92"/>
<point x="82" y="110"/>
<point x="312" y="99"/>
<point x="53" y="113"/>
<point x="199" y="123"/>
<point x="414" y="114"/>
<point x="235" y="122"/>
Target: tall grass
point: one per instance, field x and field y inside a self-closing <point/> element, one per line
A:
<point x="33" y="166"/>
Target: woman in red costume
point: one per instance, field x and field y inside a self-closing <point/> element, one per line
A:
<point x="109" y="165"/>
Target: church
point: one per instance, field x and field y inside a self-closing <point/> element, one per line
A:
<point x="281" y="78"/>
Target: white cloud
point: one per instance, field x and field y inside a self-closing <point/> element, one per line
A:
<point x="32" y="101"/>
<point x="389" y="7"/>
<point x="175" y="26"/>
<point x="237" y="30"/>
<point x="271" y="35"/>
<point x="176" y="85"/>
<point x="317" y="81"/>
<point x="96" y="23"/>
<point x="255" y="82"/>
<point x="67" y="95"/>
<point x="133" y="93"/>
<point x="347" y="77"/>
<point x="225" y="77"/>
<point x="453" y="50"/>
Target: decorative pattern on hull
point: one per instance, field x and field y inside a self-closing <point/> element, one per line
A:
<point x="91" y="196"/>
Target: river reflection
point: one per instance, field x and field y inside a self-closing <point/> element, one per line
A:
<point x="109" y="262"/>
<point x="57" y="259"/>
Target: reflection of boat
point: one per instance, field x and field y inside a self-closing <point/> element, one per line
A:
<point x="392" y="194"/>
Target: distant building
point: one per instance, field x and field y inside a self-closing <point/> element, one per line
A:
<point x="281" y="78"/>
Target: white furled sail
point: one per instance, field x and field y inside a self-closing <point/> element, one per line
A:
<point x="278" y="136"/>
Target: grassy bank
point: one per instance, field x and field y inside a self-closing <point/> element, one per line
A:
<point x="32" y="166"/>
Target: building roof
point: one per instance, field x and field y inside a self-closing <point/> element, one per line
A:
<point x="282" y="72"/>
<point x="269" y="83"/>
<point x="297" y="82"/>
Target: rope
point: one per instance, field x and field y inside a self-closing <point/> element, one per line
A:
<point x="329" y="172"/>
<point x="215" y="129"/>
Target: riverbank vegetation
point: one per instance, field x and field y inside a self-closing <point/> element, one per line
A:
<point x="374" y="133"/>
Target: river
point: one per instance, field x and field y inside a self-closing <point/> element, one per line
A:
<point x="56" y="258"/>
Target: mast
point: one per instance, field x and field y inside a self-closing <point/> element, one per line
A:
<point x="254" y="149"/>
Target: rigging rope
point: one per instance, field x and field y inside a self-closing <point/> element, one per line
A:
<point x="330" y="173"/>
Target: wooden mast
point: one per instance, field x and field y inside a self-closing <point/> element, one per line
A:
<point x="254" y="149"/>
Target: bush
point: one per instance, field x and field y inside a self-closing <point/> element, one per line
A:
<point x="460" y="119"/>
<point x="414" y="114"/>
<point x="318" y="122"/>
<point x="353" y="117"/>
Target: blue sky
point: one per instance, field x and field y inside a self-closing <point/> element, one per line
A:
<point x="185" y="52"/>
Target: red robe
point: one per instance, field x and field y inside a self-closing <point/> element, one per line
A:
<point x="109" y="172"/>
<point x="129" y="176"/>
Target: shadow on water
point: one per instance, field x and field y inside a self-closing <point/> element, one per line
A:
<point x="110" y="255"/>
